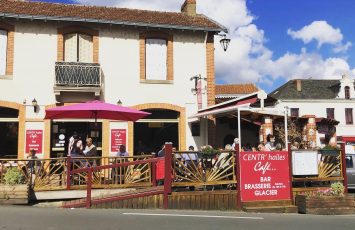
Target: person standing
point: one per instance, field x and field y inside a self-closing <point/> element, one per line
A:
<point x="33" y="164"/>
<point x="75" y="141"/>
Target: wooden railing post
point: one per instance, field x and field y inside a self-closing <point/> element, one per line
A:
<point x="167" y="176"/>
<point x="290" y="170"/>
<point x="343" y="166"/>
<point x="237" y="171"/>
<point x="154" y="173"/>
<point x="68" y="172"/>
<point x="89" y="187"/>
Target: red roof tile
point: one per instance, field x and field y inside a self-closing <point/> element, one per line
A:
<point x="112" y="15"/>
<point x="236" y="89"/>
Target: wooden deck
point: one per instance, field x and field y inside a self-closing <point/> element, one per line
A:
<point x="152" y="198"/>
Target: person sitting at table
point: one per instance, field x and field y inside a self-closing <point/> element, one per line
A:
<point x="122" y="152"/>
<point x="190" y="158"/>
<point x="270" y="141"/>
<point x="90" y="149"/>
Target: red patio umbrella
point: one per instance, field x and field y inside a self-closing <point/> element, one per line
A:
<point x="95" y="110"/>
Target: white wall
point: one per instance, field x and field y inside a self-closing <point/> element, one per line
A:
<point x="318" y="108"/>
<point x="36" y="53"/>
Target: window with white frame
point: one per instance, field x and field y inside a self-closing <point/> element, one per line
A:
<point x="3" y="51"/>
<point x="156" y="59"/>
<point x="78" y="48"/>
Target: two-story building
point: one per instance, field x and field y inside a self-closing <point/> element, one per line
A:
<point x="56" y="54"/>
<point x="322" y="98"/>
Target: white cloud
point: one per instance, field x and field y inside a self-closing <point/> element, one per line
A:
<point x="322" y="33"/>
<point x="248" y="59"/>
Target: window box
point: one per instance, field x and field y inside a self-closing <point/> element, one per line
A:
<point x="325" y="205"/>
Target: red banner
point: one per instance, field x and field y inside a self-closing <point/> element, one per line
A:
<point x="199" y="94"/>
<point x="160" y="172"/>
<point x="34" y="140"/>
<point x="118" y="138"/>
<point x="264" y="176"/>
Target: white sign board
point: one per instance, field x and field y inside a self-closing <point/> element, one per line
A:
<point x="304" y="163"/>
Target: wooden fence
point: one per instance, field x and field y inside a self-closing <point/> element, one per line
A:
<point x="55" y="173"/>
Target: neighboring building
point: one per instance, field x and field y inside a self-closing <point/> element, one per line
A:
<point x="60" y="54"/>
<point x="233" y="91"/>
<point x="331" y="99"/>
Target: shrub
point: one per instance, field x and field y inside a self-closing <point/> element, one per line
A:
<point x="336" y="189"/>
<point x="208" y="151"/>
<point x="14" y="176"/>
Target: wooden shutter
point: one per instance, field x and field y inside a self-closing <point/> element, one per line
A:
<point x="85" y="48"/>
<point x="347" y="92"/>
<point x="295" y="112"/>
<point x="349" y="116"/>
<point x="156" y="59"/>
<point x="71" y="48"/>
<point x="330" y="113"/>
<point x="3" y="51"/>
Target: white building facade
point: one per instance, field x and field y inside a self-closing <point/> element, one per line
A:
<point x="331" y="99"/>
<point x="55" y="54"/>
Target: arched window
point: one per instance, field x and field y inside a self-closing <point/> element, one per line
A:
<point x="3" y="51"/>
<point x="78" y="47"/>
<point x="347" y="92"/>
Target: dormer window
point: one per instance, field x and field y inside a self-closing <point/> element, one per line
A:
<point x="347" y="92"/>
<point x="78" y="48"/>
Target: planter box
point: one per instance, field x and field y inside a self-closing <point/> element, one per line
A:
<point x="14" y="194"/>
<point x="325" y="205"/>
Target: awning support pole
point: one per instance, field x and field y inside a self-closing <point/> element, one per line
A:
<point x="286" y="130"/>
<point x="239" y="131"/>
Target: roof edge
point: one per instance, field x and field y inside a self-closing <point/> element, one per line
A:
<point x="222" y="27"/>
<point x="112" y="22"/>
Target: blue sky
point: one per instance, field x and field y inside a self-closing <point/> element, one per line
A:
<point x="273" y="41"/>
<point x="276" y="16"/>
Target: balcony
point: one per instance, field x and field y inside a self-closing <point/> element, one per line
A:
<point x="77" y="77"/>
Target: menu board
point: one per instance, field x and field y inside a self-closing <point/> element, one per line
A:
<point x="34" y="140"/>
<point x="264" y="176"/>
<point x="118" y="138"/>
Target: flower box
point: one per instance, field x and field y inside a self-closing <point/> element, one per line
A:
<point x="14" y="194"/>
<point x="326" y="205"/>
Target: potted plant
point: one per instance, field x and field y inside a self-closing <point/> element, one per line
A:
<point x="208" y="152"/>
<point x="330" y="201"/>
<point x="14" y="190"/>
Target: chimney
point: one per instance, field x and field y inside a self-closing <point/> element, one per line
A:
<point x="189" y="7"/>
<point x="299" y="85"/>
<point x="344" y="76"/>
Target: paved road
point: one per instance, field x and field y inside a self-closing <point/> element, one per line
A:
<point x="35" y="218"/>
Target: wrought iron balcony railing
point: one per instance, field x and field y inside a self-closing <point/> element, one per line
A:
<point x="77" y="74"/>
